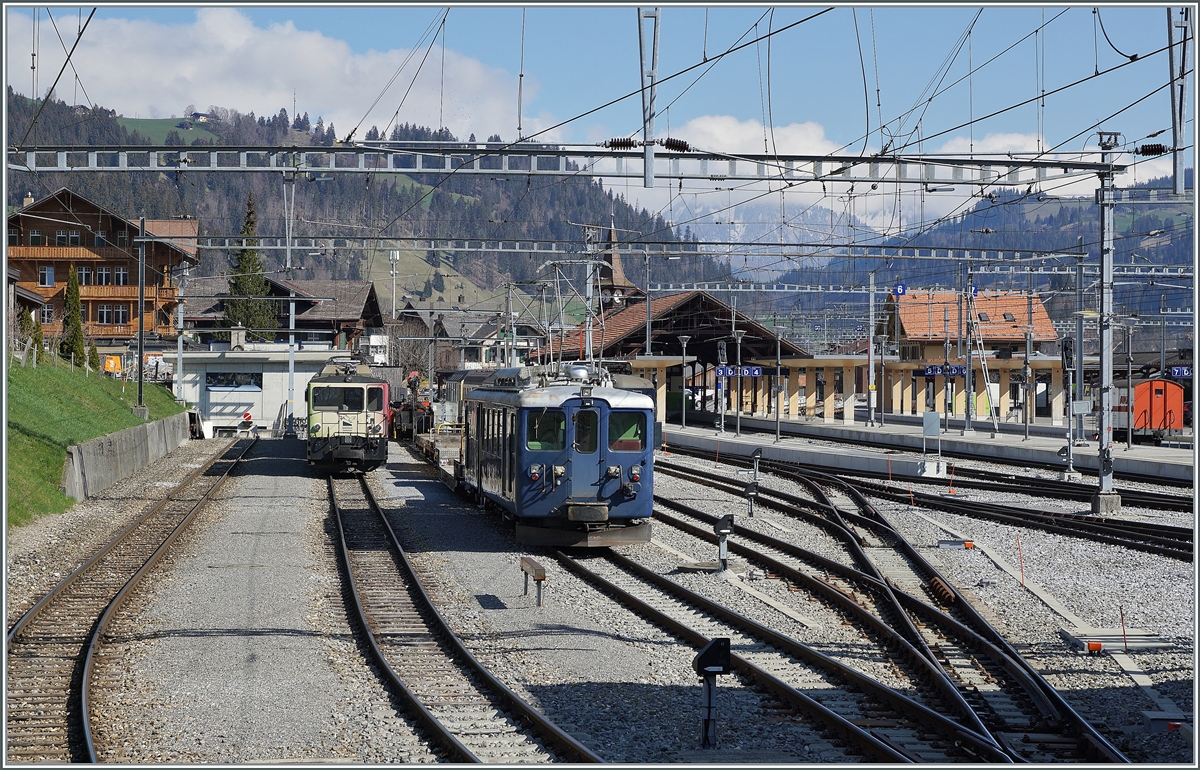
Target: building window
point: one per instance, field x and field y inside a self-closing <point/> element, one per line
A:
<point x="12" y="236"/>
<point x="103" y="276"/>
<point x="47" y="314"/>
<point x="120" y="276"/>
<point x="73" y="238"/>
<point x="120" y="314"/>
<point x="35" y="237"/>
<point x="122" y="239"/>
<point x="100" y="239"/>
<point x="984" y="317"/>
<point x="60" y="237"/>
<point x="104" y="314"/>
<point x="84" y="274"/>
<point x="45" y="275"/>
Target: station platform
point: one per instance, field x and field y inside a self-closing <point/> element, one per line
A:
<point x="1173" y="460"/>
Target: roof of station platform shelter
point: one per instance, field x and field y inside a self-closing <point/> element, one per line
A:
<point x="697" y="314"/>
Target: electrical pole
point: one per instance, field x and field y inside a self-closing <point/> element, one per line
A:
<point x="1079" y="384"/>
<point x="737" y="336"/>
<point x="290" y="430"/>
<point x="1106" y="500"/>
<point x="141" y="342"/>
<point x="870" y="354"/>
<point x="649" y="77"/>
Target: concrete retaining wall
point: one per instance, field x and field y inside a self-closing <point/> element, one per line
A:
<point x="98" y="464"/>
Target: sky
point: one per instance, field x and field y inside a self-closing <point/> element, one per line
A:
<point x="823" y="83"/>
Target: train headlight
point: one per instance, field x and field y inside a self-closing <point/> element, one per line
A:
<point x="314" y="429"/>
<point x="377" y="428"/>
<point x="535" y="472"/>
<point x="635" y="473"/>
<point x="613" y="472"/>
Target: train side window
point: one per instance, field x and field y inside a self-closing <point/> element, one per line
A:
<point x="626" y="431"/>
<point x="374" y="399"/>
<point x="546" y="431"/>
<point x="587" y="431"/>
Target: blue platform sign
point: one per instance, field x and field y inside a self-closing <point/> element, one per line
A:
<point x="1181" y="371"/>
<point x="746" y="371"/>
<point x="899" y="289"/>
<point x="938" y="370"/>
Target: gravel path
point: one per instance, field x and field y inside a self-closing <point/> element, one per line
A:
<point x="239" y="650"/>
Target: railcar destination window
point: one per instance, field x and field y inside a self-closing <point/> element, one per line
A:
<point x="587" y="431"/>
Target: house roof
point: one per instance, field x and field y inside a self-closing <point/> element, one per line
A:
<point x="923" y="317"/>
<point x="176" y="228"/>
<point x="316" y="301"/>
<point x="68" y="197"/>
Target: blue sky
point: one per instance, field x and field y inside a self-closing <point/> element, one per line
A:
<point x="807" y="88"/>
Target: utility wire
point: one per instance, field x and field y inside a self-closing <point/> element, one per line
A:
<point x="603" y="106"/>
<point x="1100" y="19"/>
<point x="21" y="144"/>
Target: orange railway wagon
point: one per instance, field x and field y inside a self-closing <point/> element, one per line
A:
<point x="1157" y="410"/>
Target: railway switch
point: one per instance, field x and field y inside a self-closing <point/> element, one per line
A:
<point x="713" y="660"/>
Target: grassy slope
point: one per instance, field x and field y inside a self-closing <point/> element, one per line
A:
<point x="158" y="128"/>
<point x="52" y="408"/>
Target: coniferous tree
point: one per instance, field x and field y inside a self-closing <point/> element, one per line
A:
<point x="93" y="356"/>
<point x="72" y="342"/>
<point x="248" y="281"/>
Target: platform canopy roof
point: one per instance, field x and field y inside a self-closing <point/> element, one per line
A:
<point x="697" y="314"/>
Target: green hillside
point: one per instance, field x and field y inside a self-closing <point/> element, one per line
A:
<point x="157" y="129"/>
<point x="49" y="409"/>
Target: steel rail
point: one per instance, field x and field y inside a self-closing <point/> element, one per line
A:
<point x="1096" y="746"/>
<point x="560" y="741"/>
<point x="126" y="591"/>
<point x="973" y="743"/>
<point x="976" y="629"/>
<point x="75" y="733"/>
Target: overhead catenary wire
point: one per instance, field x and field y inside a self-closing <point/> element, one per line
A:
<point x="21" y="144"/>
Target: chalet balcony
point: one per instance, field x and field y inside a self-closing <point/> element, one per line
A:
<point x="75" y="253"/>
<point x="126" y="293"/>
<point x="92" y="329"/>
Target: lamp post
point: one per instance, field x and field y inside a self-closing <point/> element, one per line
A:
<point x="778" y="384"/>
<point x="683" y="340"/>
<point x="1162" y="325"/>
<point x="737" y="336"/>
<point x="1129" y="324"/>
<point x="289" y="207"/>
<point x="394" y="256"/>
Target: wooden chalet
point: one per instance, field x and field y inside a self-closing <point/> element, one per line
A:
<point x="65" y="232"/>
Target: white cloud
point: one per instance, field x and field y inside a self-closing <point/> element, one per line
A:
<point x="155" y="70"/>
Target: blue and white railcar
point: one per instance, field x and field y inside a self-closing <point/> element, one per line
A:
<point x="567" y="456"/>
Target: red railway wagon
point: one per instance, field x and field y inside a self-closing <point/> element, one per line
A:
<point x="1157" y="410"/>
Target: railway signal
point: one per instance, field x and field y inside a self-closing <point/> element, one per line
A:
<point x="710" y="662"/>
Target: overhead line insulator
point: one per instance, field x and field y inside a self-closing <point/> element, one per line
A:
<point x="621" y="143"/>
<point x="676" y="145"/>
<point x="1152" y="150"/>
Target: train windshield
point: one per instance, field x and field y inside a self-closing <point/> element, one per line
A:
<point x="546" y="431"/>
<point x="587" y="432"/>
<point x="339" y="399"/>
<point x="374" y="399"/>
<point x="626" y="431"/>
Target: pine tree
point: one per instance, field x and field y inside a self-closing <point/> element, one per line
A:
<point x="248" y="281"/>
<point x="93" y="356"/>
<point x="72" y="343"/>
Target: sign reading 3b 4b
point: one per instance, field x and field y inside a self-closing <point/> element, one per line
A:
<point x="732" y="371"/>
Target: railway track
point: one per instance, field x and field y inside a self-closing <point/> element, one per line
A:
<point x="51" y="648"/>
<point x="1016" y="706"/>
<point x="874" y="720"/>
<point x="1164" y="540"/>
<point x="462" y="707"/>
<point x="1140" y="478"/>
